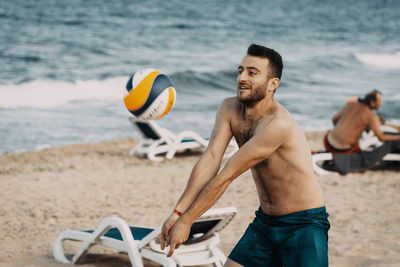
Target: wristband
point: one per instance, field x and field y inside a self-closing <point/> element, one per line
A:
<point x="178" y="212"/>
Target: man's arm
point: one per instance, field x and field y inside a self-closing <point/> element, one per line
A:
<point x="265" y="141"/>
<point x="376" y="127"/>
<point x="393" y="126"/>
<point x="205" y="169"/>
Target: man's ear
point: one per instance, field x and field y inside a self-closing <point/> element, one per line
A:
<point x="273" y="83"/>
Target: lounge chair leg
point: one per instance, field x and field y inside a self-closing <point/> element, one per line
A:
<point x="153" y="157"/>
<point x="132" y="152"/>
<point x="123" y="228"/>
<point x="171" y="153"/>
<point x="158" y="257"/>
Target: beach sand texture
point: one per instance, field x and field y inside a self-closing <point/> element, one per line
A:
<point x="75" y="187"/>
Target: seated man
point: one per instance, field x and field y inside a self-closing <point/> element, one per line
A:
<point x="349" y="124"/>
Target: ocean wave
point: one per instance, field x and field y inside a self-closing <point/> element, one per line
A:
<point x="389" y="61"/>
<point x="23" y="57"/>
<point x="181" y="26"/>
<point x="192" y="82"/>
<point x="46" y="93"/>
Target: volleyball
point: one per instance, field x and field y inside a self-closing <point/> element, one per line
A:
<point x="150" y="94"/>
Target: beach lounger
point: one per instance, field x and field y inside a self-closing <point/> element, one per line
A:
<point x="138" y="242"/>
<point x="323" y="165"/>
<point x="156" y="140"/>
<point x="323" y="160"/>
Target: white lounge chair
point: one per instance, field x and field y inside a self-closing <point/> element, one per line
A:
<point x="156" y="140"/>
<point x="138" y="242"/>
<point x="321" y="158"/>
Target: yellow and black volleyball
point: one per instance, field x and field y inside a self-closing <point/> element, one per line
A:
<point x="150" y="94"/>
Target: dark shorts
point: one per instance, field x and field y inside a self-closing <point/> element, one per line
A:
<point x="296" y="239"/>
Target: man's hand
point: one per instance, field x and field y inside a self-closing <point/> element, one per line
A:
<point x="167" y="225"/>
<point x="179" y="234"/>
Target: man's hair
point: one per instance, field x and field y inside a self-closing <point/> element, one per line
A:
<point x="275" y="60"/>
<point x="370" y="97"/>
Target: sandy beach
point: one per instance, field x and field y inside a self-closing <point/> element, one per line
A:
<point x="75" y="187"/>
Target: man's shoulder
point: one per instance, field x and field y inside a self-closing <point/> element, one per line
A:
<point x="281" y="121"/>
<point x="230" y="104"/>
<point x="282" y="118"/>
<point x="361" y="107"/>
<point x="230" y="101"/>
<point x="366" y="112"/>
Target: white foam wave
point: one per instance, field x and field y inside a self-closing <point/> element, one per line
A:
<point x="389" y="61"/>
<point x="44" y="93"/>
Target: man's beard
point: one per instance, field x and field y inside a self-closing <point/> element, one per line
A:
<point x="254" y="97"/>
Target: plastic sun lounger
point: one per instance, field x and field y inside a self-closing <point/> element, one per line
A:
<point x="319" y="158"/>
<point x="367" y="141"/>
<point x="139" y="242"/>
<point x="156" y="140"/>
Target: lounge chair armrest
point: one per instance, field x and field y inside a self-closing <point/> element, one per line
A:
<point x="320" y="157"/>
<point x="190" y="134"/>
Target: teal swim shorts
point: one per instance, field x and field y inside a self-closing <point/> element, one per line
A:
<point x="295" y="239"/>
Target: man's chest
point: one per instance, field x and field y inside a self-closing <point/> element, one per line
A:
<point x="243" y="131"/>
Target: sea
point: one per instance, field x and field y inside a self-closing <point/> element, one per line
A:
<point x="64" y="64"/>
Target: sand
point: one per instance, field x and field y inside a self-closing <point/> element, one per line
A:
<point x="75" y="187"/>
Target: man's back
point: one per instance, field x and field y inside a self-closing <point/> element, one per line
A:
<point x="350" y="122"/>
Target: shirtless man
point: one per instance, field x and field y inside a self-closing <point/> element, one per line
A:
<point x="349" y="123"/>
<point x="291" y="224"/>
<point x="354" y="118"/>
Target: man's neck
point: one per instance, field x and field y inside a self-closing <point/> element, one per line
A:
<point x="258" y="110"/>
<point x="368" y="105"/>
